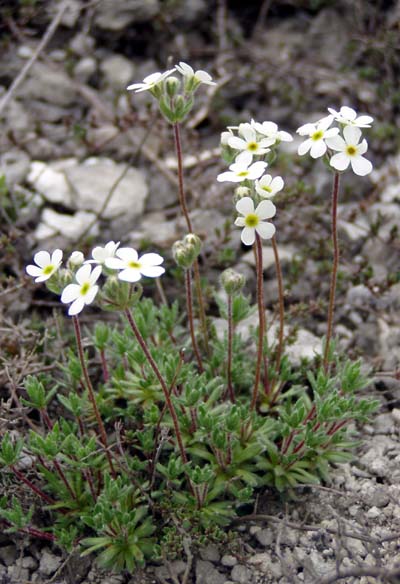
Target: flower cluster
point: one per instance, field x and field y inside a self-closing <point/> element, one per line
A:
<point x="82" y="287"/>
<point x="241" y="144"/>
<point x="345" y="140"/>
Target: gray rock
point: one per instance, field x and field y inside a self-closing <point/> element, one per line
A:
<point x="18" y="574"/>
<point x="48" y="563"/>
<point x="265" y="537"/>
<point x="85" y="68"/>
<point x="207" y="574"/>
<point x="156" y="229"/>
<point x="86" y="186"/>
<point x="228" y="561"/>
<point x="14" y="164"/>
<point x="373" y="513"/>
<point x="391" y="194"/>
<point x="360" y="297"/>
<point x="49" y="84"/>
<point x="29" y="562"/>
<point x="118" y="71"/>
<point x="241" y="574"/>
<point x="210" y="553"/>
<point x="286" y="254"/>
<point x="118" y="14"/>
<point x="70" y="227"/>
<point x="8" y="554"/>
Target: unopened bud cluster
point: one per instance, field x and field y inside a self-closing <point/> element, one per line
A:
<point x="186" y="251"/>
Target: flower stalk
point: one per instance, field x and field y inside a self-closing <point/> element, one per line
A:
<point x="281" y="304"/>
<point x="261" y="319"/>
<point x="189" y="304"/>
<point x="335" y="265"/>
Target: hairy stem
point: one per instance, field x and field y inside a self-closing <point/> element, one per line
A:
<point x="230" y="346"/>
<point x="185" y="212"/>
<point x="189" y="307"/>
<point x="261" y="319"/>
<point x="35" y="489"/>
<point x="281" y="305"/>
<point x="103" y="435"/>
<point x="335" y="265"/>
<point x="160" y="378"/>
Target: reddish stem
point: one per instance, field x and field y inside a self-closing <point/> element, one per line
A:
<point x="231" y="392"/>
<point x="106" y="375"/>
<point x="281" y="304"/>
<point x="189" y="306"/>
<point x="261" y="318"/>
<point x="35" y="489"/>
<point x="335" y="265"/>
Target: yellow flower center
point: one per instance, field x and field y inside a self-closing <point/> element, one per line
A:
<point x="243" y="173"/>
<point x="251" y="220"/>
<point x="47" y="270"/>
<point x="268" y="189"/>
<point x="135" y="265"/>
<point x="351" y="150"/>
<point x="85" y="288"/>
<point x="253" y="146"/>
<point x="317" y="135"/>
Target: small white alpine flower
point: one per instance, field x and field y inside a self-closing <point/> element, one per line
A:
<point x="101" y="254"/>
<point x="188" y="73"/>
<point x="46" y="265"/>
<point x="82" y="292"/>
<point x="348" y="117"/>
<point x="253" y="220"/>
<point x="267" y="186"/>
<point x="242" y="169"/>
<point x="350" y="151"/>
<point x="132" y="267"/>
<point x="317" y="134"/>
<point x="271" y="131"/>
<point x="150" y="81"/>
<point x="247" y="141"/>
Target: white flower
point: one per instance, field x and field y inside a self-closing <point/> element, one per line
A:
<point x="267" y="186"/>
<point x="84" y="291"/>
<point x="248" y="141"/>
<point x="76" y="259"/>
<point x="132" y="267"/>
<point x="150" y="81"/>
<point x="317" y="133"/>
<point x="101" y="254"/>
<point x="200" y="76"/>
<point x="253" y="220"/>
<point x="350" y="151"/>
<point x="242" y="169"/>
<point x="46" y="265"/>
<point x="348" y="116"/>
<point x="270" y="130"/>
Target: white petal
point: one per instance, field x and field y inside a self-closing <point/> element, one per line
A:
<point x="228" y="177"/>
<point x="135" y="86"/>
<point x="244" y="159"/>
<point x="245" y="206"/>
<point x="361" y="166"/>
<point x="128" y="254"/>
<point x="348" y="113"/>
<point x="331" y="132"/>
<point x="277" y="184"/>
<point x="152" y="271"/>
<point x="130" y="275"/>
<point x="336" y="143"/>
<point x="56" y="257"/>
<point x="285" y="136"/>
<point x="306" y="130"/>
<point x="304" y="147"/>
<point x="339" y="161"/>
<point x="76" y="307"/>
<point x="95" y="275"/>
<point x="91" y="295"/>
<point x="363" y="147"/>
<point x="237" y="143"/>
<point x="83" y="274"/>
<point x="42" y="258"/>
<point x="364" y="121"/>
<point x="265" y="210"/>
<point x="239" y="222"/>
<point x="115" y="263"/>
<point x="204" y="77"/>
<point x="151" y="259"/>
<point x="266" y="230"/>
<point x="248" y="235"/>
<point x="318" y="149"/>
<point x="247" y="132"/>
<point x="325" y="123"/>
<point x="34" y="271"/>
<point x="257" y="169"/>
<point x="184" y="69"/>
<point x="70" y="293"/>
<point x="264" y="181"/>
<point x="352" y="134"/>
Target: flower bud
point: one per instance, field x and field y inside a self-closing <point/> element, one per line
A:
<point x="75" y="260"/>
<point x="232" y="281"/>
<point x="172" y="86"/>
<point x="193" y="240"/>
<point x="184" y="254"/>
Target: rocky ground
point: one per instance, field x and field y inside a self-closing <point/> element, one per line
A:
<point x="74" y="147"/>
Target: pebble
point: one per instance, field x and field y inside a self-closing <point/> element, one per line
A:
<point x="228" y="561"/>
<point x="373" y="512"/>
<point x="49" y="563"/>
<point x="265" y="537"/>
<point x="8" y="554"/>
<point x="241" y="574"/>
<point x="210" y="553"/>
